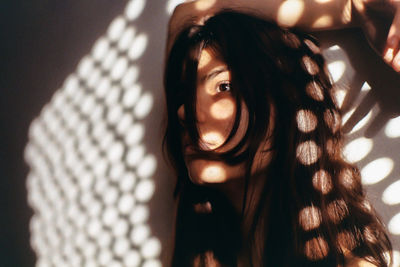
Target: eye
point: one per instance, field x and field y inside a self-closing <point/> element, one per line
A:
<point x="224" y="86"/>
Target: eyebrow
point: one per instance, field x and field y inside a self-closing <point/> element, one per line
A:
<point x="213" y="73"/>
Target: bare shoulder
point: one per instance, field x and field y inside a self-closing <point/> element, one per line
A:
<point x="352" y="261"/>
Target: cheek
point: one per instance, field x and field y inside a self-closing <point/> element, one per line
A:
<point x="223" y="109"/>
<point x="203" y="171"/>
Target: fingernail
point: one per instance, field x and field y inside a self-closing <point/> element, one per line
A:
<point x="388" y="57"/>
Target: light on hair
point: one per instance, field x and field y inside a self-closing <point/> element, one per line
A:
<point x="316" y="249"/>
<point x="306" y="121"/>
<point x="332" y="119"/>
<point x="310" y="218"/>
<point x="310" y="65"/>
<point x="322" y="181"/>
<point x="308" y="152"/>
<point x="314" y="90"/>
<point x="346" y="178"/>
<point x="212" y="140"/>
<point x="346" y="241"/>
<point x="337" y="210"/>
<point x="312" y="46"/>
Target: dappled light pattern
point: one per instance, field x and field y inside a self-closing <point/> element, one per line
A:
<point x="310" y="218"/>
<point x="316" y="249"/>
<point x="314" y="90"/>
<point x="376" y="157"/>
<point x="310" y="65"/>
<point x="90" y="174"/>
<point x="308" y="152"/>
<point x="322" y="181"/>
<point x="337" y="210"/>
<point x="306" y="121"/>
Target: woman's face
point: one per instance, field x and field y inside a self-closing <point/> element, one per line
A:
<point x="215" y="111"/>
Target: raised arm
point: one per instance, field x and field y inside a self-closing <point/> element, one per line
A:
<point x="310" y="15"/>
<point x="307" y="14"/>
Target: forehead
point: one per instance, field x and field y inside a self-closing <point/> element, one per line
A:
<point x="209" y="65"/>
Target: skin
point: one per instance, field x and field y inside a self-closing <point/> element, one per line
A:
<point x="310" y="15"/>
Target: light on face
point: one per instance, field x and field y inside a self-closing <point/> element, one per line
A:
<point x="222" y="109"/>
<point x="213" y="173"/>
<point x="290" y="12"/>
<point x="212" y="140"/>
<point x="205" y="59"/>
<point x="323" y="22"/>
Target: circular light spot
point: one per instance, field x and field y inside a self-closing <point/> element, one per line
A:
<point x="147" y="167"/>
<point x="357" y="149"/>
<point x="138" y="47"/>
<point x="337" y="210"/>
<point x="315" y="91"/>
<point x="124" y="124"/>
<point x="290" y="12"/>
<point x="114" y="154"/>
<point x="131" y="95"/>
<point x="109" y="59"/>
<point x="322" y="181"/>
<point x="144" y="190"/>
<point x="114" y="114"/>
<point x="391" y="194"/>
<point x="105" y="257"/>
<point x="126" y="39"/>
<point x="104" y="239"/>
<point x="139" y="234"/>
<point x="324" y="21"/>
<point x="213" y="174"/>
<point x="316" y="249"/>
<point x="222" y="109"/>
<point x="152" y="263"/>
<point x="121" y="246"/>
<point x="151" y="248"/>
<point x="143" y="106"/>
<point x="85" y="67"/>
<point x="110" y="195"/>
<point x="100" y="48"/>
<point x="132" y="259"/>
<point x="135" y="154"/>
<point x="211" y="140"/>
<point x="94" y="228"/>
<point x="310" y="217"/>
<point x="392" y="129"/>
<point x="394" y="225"/>
<point x="110" y="216"/>
<point x="130" y="77"/>
<point x="376" y="171"/>
<point x="119" y="68"/>
<point x="139" y="215"/>
<point x="134" y="9"/>
<point x="127" y="182"/>
<point x="310" y="65"/>
<point x="307" y="152"/>
<point x="306" y="120"/>
<point x="116" y="28"/>
<point x="347" y="179"/>
<point x="126" y="204"/>
<point x="103" y="87"/>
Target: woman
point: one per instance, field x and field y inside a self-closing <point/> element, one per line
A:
<point x="254" y="136"/>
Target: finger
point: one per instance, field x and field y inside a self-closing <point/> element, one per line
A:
<point x="392" y="43"/>
<point x="396" y="62"/>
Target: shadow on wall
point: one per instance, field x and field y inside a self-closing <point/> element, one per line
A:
<point x="97" y="181"/>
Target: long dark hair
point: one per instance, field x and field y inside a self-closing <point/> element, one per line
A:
<point x="312" y="209"/>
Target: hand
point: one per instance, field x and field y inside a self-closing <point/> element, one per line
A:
<point x="380" y="21"/>
<point x="392" y="48"/>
